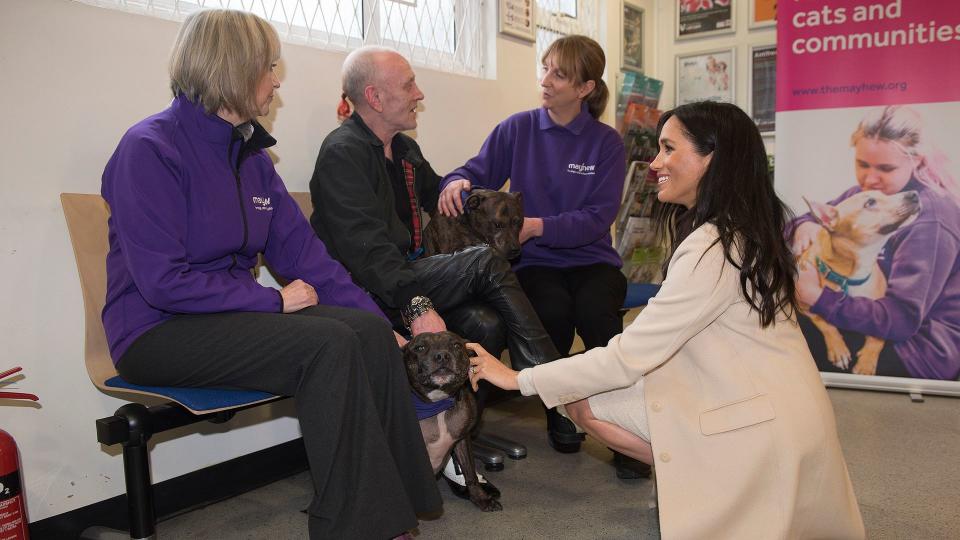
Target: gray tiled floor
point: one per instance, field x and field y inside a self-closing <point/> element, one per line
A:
<point x="904" y="459"/>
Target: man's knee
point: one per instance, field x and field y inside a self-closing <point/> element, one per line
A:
<point x="480" y="323"/>
<point x="486" y="261"/>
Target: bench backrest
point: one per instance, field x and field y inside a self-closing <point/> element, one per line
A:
<point x="86" y="215"/>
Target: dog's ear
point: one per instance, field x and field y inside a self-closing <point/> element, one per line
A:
<point x="825" y="214"/>
<point x="474" y="200"/>
<point x="519" y="197"/>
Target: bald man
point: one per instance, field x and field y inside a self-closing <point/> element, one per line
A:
<point x="371" y="188"/>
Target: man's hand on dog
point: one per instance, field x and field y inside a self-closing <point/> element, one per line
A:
<point x="451" y="201"/>
<point x="297" y="295"/>
<point x="430" y="321"/>
<point x="485" y="366"/>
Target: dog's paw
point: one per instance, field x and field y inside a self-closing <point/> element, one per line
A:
<point x="861" y="369"/>
<point x="866" y="364"/>
<point x="482" y="500"/>
<point x="488" y="505"/>
<point x="838" y="354"/>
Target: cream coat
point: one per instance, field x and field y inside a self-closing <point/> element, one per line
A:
<point x="743" y="433"/>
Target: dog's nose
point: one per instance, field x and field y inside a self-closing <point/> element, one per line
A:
<point x="911" y="196"/>
<point x="440" y="356"/>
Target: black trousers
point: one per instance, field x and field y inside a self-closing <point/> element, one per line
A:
<point x="585" y="299"/>
<point x="479" y="297"/>
<point x="889" y="363"/>
<point x="370" y="470"/>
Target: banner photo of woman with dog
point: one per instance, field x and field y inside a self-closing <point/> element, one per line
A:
<point x="868" y="158"/>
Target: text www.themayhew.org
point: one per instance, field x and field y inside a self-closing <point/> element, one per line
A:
<point x="899" y="86"/>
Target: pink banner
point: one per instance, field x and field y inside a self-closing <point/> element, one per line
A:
<point x="856" y="53"/>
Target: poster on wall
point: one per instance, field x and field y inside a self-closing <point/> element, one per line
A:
<point x="763" y="13"/>
<point x="868" y="158"/>
<point x="705" y="76"/>
<point x="632" y="57"/>
<point x="763" y="87"/>
<point x="516" y="19"/>
<point x="698" y="18"/>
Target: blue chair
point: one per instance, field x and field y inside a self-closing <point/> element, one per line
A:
<point x="638" y="294"/>
<point x="133" y="424"/>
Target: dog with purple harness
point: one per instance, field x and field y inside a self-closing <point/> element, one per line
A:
<point x="438" y="368"/>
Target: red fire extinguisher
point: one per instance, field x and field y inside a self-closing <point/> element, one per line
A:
<point x="13" y="511"/>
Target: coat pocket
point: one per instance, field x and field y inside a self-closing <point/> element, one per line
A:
<point x="737" y="415"/>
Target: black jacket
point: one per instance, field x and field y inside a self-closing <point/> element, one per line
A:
<point x="354" y="212"/>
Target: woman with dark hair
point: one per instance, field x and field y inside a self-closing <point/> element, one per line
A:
<point x="713" y="381"/>
<point x="194" y="199"/>
<point x="570" y="168"/>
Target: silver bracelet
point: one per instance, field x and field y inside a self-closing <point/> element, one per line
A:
<point x="418" y="306"/>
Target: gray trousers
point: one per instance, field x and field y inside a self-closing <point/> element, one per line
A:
<point x="370" y="470"/>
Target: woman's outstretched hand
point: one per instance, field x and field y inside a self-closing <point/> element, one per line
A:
<point x="485" y="366"/>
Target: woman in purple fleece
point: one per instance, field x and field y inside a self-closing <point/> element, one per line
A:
<point x="918" y="317"/>
<point x="570" y="168"/>
<point x="194" y="199"/>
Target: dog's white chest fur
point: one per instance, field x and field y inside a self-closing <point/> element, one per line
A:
<point x="437" y="395"/>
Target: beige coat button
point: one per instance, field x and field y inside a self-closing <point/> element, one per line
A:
<point x="665" y="457"/>
<point x="657" y="407"/>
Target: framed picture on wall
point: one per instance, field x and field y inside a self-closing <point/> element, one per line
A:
<point x="631" y="58"/>
<point x="516" y="18"/>
<point x="698" y="18"/>
<point x="706" y="76"/>
<point x="763" y="87"/>
<point x="763" y="13"/>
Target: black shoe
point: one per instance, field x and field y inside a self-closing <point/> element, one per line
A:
<point x="562" y="433"/>
<point x="461" y="491"/>
<point x="457" y="482"/>
<point x="629" y="468"/>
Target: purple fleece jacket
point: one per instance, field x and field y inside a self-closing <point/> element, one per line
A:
<point x="920" y="313"/>
<point x="571" y="176"/>
<point x="186" y="226"/>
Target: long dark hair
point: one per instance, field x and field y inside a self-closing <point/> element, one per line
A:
<point x="736" y="195"/>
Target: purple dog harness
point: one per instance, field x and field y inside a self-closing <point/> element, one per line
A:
<point x="426" y="409"/>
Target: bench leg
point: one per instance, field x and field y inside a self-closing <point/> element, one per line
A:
<point x="140" y="508"/>
<point x="136" y="470"/>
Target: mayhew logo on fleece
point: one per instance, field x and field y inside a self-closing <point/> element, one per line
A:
<point x="262" y="203"/>
<point x="581" y="168"/>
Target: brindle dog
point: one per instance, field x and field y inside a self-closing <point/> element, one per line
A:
<point x="438" y="367"/>
<point x="490" y="217"/>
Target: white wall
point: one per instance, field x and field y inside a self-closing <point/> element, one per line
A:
<point x="667" y="48"/>
<point x="75" y="78"/>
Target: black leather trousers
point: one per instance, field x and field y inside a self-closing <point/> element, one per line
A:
<point x="475" y="289"/>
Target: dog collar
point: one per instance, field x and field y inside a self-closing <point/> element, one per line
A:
<point x="833" y="277"/>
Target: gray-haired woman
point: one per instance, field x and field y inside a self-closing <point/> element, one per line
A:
<point x="194" y="199"/>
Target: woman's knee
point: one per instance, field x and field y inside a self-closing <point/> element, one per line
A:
<point x="580" y="412"/>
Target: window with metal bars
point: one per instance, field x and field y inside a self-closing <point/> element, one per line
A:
<point x="446" y="35"/>
<point x="558" y="18"/>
